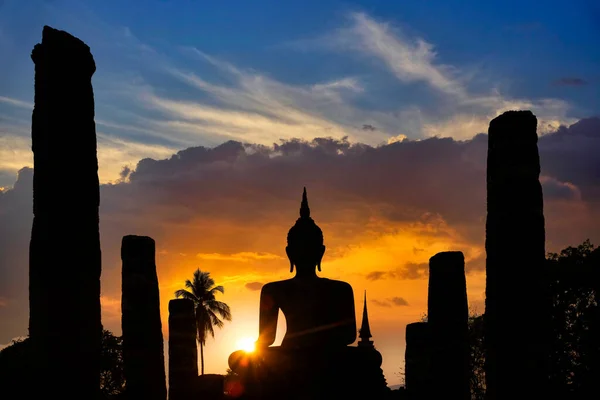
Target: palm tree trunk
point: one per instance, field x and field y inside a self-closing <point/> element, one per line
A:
<point x="201" y="359"/>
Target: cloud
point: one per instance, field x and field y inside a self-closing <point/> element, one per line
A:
<point x="554" y="189"/>
<point x="16" y="102"/>
<point x="3" y="302"/>
<point x="381" y="303"/>
<point x="254" y="286"/>
<point x="399" y="301"/>
<point x="368" y="127"/>
<point x="455" y="109"/>
<point x="570" y="81"/>
<point x="391" y="302"/>
<point x="139" y="116"/>
<point x="245" y="256"/>
<point x="376" y="275"/>
<point x="410" y="270"/>
<point x="233" y="204"/>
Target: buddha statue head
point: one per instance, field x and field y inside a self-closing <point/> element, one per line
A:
<point x="305" y="247"/>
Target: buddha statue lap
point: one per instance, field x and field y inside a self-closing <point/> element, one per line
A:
<point x="314" y="359"/>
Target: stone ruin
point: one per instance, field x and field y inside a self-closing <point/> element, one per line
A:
<point x="183" y="351"/>
<point x="448" y="313"/>
<point x="516" y="341"/>
<point x="143" y="352"/>
<point x="64" y="269"/>
<point x="417" y="364"/>
<point x="516" y="336"/>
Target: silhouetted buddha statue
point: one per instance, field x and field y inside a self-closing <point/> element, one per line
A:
<point x="314" y="356"/>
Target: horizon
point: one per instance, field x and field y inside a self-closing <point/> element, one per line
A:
<point x="380" y="110"/>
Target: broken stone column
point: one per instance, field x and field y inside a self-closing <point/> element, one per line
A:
<point x="517" y="307"/>
<point x="64" y="257"/>
<point x="183" y="352"/>
<point x="448" y="313"/>
<point x="417" y="361"/>
<point x="143" y="351"/>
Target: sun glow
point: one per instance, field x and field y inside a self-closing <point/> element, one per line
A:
<point x="246" y="344"/>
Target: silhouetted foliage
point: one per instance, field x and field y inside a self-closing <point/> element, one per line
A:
<point x="575" y="273"/>
<point x="112" y="379"/>
<point x="476" y="357"/>
<point x="209" y="311"/>
<point x="18" y="358"/>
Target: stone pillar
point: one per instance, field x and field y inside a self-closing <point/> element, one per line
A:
<point x="183" y="351"/>
<point x="517" y="307"/>
<point x="64" y="256"/>
<point x="143" y="351"/>
<point x="448" y="314"/>
<point x="417" y="367"/>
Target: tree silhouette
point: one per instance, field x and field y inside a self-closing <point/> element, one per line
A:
<point x="17" y="361"/>
<point x="112" y="378"/>
<point x="209" y="311"/>
<point x="575" y="282"/>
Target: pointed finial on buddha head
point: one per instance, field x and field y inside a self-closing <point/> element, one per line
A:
<point x="305" y="240"/>
<point x="304" y="210"/>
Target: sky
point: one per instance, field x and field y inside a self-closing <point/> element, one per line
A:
<point x="212" y="116"/>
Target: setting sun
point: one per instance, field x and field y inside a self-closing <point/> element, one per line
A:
<point x="247" y="344"/>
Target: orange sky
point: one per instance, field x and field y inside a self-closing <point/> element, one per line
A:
<point x="386" y="249"/>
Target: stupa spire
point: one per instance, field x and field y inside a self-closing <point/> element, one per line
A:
<point x="365" y="329"/>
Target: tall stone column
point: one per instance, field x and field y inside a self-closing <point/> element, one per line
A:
<point x="64" y="258"/>
<point x="183" y="351"/>
<point x="417" y="361"/>
<point x="448" y="313"/>
<point x="517" y="304"/>
<point x="143" y="351"/>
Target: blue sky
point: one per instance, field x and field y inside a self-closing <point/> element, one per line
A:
<point x="174" y="74"/>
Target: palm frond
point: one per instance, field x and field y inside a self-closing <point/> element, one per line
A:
<point x="185" y="294"/>
<point x="209" y="327"/>
<point x="217" y="289"/>
<point x="220" y="308"/>
<point x="215" y="320"/>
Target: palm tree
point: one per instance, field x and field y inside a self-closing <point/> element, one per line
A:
<point x="209" y="311"/>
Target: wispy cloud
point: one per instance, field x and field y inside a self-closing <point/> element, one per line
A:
<point x="391" y="302"/>
<point x="16" y="102"/>
<point x="413" y="60"/>
<point x="239" y="257"/>
<point x="570" y="81"/>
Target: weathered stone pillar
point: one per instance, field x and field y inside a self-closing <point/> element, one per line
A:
<point x="183" y="351"/>
<point x="64" y="256"/>
<point x="517" y="306"/>
<point x="448" y="313"/>
<point x="417" y="361"/>
<point x="143" y="351"/>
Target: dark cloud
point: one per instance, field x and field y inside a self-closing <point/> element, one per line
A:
<point x="554" y="189"/>
<point x="381" y="303"/>
<point x="409" y="271"/>
<point x="368" y="127"/>
<point x="254" y="286"/>
<point x="570" y="81"/>
<point x="399" y="301"/>
<point x="226" y="199"/>
<point x="391" y="302"/>
<point x="124" y="174"/>
<point x="376" y="275"/>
